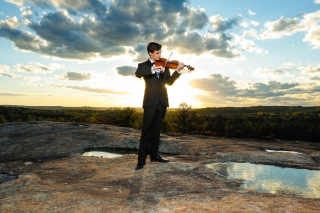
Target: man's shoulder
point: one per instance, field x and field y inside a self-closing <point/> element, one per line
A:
<point x="147" y="62"/>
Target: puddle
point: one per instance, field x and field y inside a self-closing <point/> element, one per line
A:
<point x="101" y="154"/>
<point x="292" y="152"/>
<point x="272" y="179"/>
<point x="5" y="178"/>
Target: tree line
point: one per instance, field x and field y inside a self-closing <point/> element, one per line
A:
<point x="267" y="122"/>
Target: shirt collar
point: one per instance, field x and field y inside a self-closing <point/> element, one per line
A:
<point x="151" y="60"/>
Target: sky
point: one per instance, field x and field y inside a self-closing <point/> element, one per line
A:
<point x="85" y="53"/>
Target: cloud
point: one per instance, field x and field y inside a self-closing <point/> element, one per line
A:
<point x="251" y="13"/>
<point x="95" y="90"/>
<point x="5" y="71"/>
<point x="317" y="1"/>
<point x="93" y="29"/>
<point x="139" y="51"/>
<point x="195" y="19"/>
<point x="28" y="78"/>
<point x="11" y="94"/>
<point x="89" y="89"/>
<point x="11" y="22"/>
<point x="71" y="4"/>
<point x="255" y="23"/>
<point x="266" y="73"/>
<point x="313" y="36"/>
<point x="217" y="85"/>
<point x="4" y="68"/>
<point x="7" y="74"/>
<point x="126" y="70"/>
<point x="219" y="45"/>
<point x="221" y="25"/>
<point x="26" y="12"/>
<point x="286" y="27"/>
<point x="281" y="27"/>
<point x="248" y="45"/>
<point x="310" y="22"/>
<point x="310" y="69"/>
<point x="316" y="78"/>
<point x="76" y="76"/>
<point x="34" y="68"/>
<point x="17" y="2"/>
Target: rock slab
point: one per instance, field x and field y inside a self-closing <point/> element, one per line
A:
<point x="55" y="177"/>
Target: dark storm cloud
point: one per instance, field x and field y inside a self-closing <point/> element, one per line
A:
<point x="99" y="29"/>
<point x="126" y="70"/>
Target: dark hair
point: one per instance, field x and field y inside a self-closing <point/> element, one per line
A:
<point x="153" y="46"/>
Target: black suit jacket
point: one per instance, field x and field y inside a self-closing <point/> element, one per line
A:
<point x="155" y="89"/>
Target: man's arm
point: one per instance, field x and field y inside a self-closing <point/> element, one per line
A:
<point x="172" y="78"/>
<point x="175" y="75"/>
<point x="143" y="70"/>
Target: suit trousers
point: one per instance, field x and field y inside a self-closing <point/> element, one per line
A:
<point x="150" y="136"/>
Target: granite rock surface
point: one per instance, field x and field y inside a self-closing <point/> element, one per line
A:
<point x="53" y="176"/>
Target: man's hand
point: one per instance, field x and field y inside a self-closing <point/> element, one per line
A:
<point x="158" y="68"/>
<point x="180" y="66"/>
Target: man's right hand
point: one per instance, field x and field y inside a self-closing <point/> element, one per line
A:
<point x="158" y="68"/>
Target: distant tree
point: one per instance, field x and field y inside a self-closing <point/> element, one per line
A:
<point x="127" y="117"/>
<point x="184" y="118"/>
<point x="220" y="124"/>
<point x="2" y="119"/>
<point x="169" y="123"/>
<point x="287" y="123"/>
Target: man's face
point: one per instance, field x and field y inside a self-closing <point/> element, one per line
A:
<point x="155" y="55"/>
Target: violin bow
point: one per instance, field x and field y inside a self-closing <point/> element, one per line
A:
<point x="167" y="60"/>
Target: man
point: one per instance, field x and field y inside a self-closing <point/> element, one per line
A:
<point x="155" y="102"/>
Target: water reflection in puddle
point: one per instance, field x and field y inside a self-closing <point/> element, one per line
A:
<point x="272" y="179"/>
<point x="292" y="152"/>
<point x="101" y="154"/>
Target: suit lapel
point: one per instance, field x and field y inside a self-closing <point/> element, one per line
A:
<point x="149" y="63"/>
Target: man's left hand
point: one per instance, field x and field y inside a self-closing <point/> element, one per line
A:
<point x="180" y="66"/>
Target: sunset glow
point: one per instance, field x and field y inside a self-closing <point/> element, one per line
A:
<point x="61" y="53"/>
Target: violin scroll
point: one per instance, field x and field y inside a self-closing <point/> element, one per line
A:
<point x="190" y="68"/>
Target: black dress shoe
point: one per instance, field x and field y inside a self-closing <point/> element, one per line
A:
<point x="159" y="159"/>
<point x="140" y="165"/>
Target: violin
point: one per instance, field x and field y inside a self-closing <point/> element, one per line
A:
<point x="171" y="64"/>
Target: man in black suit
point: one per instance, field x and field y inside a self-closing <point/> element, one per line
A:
<point x="155" y="102"/>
